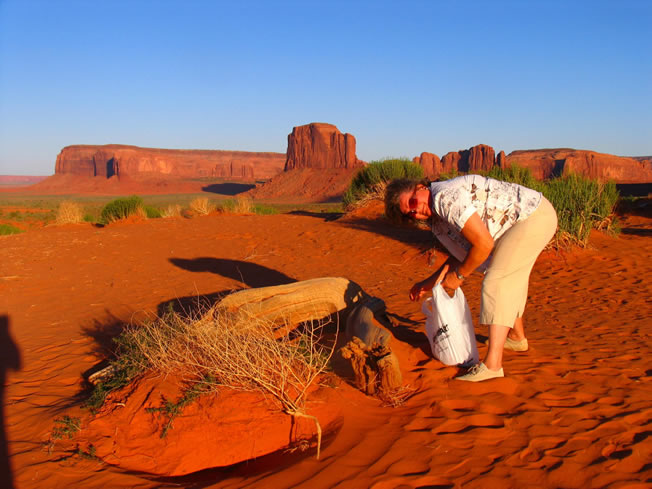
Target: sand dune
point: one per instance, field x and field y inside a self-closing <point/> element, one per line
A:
<point x="573" y="412"/>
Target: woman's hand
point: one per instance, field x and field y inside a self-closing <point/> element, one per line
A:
<point x="451" y="281"/>
<point x="417" y="291"/>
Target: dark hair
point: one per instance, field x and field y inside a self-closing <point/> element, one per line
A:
<point x="394" y="190"/>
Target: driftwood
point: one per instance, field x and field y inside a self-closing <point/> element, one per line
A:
<point x="289" y="305"/>
<point x="375" y="366"/>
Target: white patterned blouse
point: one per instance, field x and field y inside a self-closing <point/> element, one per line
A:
<point x="499" y="204"/>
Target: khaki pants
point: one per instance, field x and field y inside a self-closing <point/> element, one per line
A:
<point x="504" y="289"/>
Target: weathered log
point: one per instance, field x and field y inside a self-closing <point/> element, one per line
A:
<point x="361" y="323"/>
<point x="291" y="304"/>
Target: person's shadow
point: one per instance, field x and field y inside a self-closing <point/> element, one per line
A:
<point x="9" y="359"/>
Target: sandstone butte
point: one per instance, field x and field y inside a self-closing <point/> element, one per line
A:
<point x="131" y="161"/>
<point x="319" y="165"/>
<point x="543" y="163"/>
<point x="320" y="145"/>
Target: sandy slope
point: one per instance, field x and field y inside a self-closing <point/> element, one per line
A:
<point x="573" y="412"/>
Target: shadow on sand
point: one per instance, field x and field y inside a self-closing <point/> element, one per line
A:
<point x="228" y="188"/>
<point x="407" y="234"/>
<point x="10" y="359"/>
<point x="250" y="274"/>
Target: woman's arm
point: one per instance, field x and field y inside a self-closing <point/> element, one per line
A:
<point x="482" y="244"/>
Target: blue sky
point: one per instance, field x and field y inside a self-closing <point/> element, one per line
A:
<point x="401" y="76"/>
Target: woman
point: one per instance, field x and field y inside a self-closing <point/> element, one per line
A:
<point x="491" y="226"/>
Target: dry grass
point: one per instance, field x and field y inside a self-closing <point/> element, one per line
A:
<point x="374" y="192"/>
<point x="201" y="206"/>
<point x="69" y="213"/>
<point x="172" y="210"/>
<point x="240" y="353"/>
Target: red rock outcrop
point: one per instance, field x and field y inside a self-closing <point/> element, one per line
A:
<point x="546" y="163"/>
<point x="320" y="146"/>
<point x="501" y="159"/>
<point x="431" y="164"/>
<point x="474" y="159"/>
<point x="113" y="159"/>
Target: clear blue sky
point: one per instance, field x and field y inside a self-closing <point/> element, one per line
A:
<point x="401" y="76"/>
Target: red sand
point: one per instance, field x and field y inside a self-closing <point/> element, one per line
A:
<point x="573" y="412"/>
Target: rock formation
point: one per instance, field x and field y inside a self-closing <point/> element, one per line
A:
<point x="320" y="146"/>
<point x="546" y="163"/>
<point x="543" y="163"/>
<point x="431" y="164"/>
<point x="119" y="160"/>
<point x="477" y="158"/>
<point x="320" y="164"/>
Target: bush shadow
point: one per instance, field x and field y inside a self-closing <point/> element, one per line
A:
<point x="326" y="216"/>
<point x="249" y="273"/>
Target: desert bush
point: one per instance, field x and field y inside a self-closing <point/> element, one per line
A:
<point x="201" y="206"/>
<point x="226" y="350"/>
<point x="69" y="213"/>
<point x="152" y="212"/>
<point x="581" y="204"/>
<point x="242" y="204"/>
<point x="121" y="208"/>
<point x="265" y="210"/>
<point x="172" y="210"/>
<point x="370" y="182"/>
<point x="516" y="174"/>
<point x="6" y="229"/>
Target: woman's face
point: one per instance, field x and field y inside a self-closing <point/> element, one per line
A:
<point x="416" y="203"/>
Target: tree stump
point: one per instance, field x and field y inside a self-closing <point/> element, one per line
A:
<point x="375" y="366"/>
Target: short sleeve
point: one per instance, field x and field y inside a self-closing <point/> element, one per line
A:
<point x="454" y="206"/>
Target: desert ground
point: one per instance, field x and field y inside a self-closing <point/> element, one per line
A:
<point x="575" y="411"/>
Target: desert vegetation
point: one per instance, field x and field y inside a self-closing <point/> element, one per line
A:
<point x="69" y="212"/>
<point x="121" y="208"/>
<point x="219" y="349"/>
<point x="370" y="182"/>
<point x="7" y="229"/>
<point x="243" y="204"/>
<point x="201" y="206"/>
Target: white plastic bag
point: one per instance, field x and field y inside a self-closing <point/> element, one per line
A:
<point x="449" y="327"/>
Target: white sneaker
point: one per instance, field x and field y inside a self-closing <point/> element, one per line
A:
<point x="480" y="372"/>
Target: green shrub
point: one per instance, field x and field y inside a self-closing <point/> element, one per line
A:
<point x="120" y="208"/>
<point x="581" y="204"/>
<point x="6" y="229"/>
<point x="152" y="212"/>
<point x="371" y="180"/>
<point x="516" y="174"/>
<point x="265" y="210"/>
<point x="447" y="175"/>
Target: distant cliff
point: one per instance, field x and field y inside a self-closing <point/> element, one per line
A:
<point x="120" y="160"/>
<point x="543" y="163"/>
